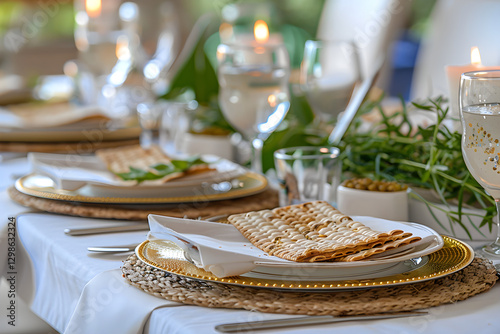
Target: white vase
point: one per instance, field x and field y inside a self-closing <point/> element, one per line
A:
<point x="420" y="213"/>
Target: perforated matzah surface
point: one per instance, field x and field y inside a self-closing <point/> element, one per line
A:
<point x="311" y="232"/>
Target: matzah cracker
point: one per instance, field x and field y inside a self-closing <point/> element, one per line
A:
<point x="309" y="232"/>
<point x="120" y="159"/>
<point x="405" y="239"/>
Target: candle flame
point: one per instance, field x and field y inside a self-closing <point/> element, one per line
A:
<point x="93" y="7"/>
<point x="226" y="31"/>
<point x="271" y="99"/>
<point x="261" y="31"/>
<point x="475" y="56"/>
<point x="122" y="49"/>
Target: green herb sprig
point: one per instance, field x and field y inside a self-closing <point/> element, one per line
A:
<point x="159" y="171"/>
<point x="429" y="157"/>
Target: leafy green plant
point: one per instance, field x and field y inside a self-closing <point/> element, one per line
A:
<point x="423" y="157"/>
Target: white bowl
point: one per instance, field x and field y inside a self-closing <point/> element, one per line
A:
<point x="204" y="144"/>
<point x="386" y="205"/>
<point x="439" y="222"/>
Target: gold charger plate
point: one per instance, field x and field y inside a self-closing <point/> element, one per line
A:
<point x="454" y="256"/>
<point x="241" y="186"/>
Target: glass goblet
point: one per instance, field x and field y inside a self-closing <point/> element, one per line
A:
<point x="480" y="114"/>
<point x="329" y="74"/>
<point x="254" y="96"/>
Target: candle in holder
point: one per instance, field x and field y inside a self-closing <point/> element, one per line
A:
<point x="255" y="43"/>
<point x="97" y="28"/>
<point x="453" y="74"/>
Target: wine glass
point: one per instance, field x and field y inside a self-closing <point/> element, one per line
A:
<point x="254" y="96"/>
<point x="480" y="114"/>
<point x="329" y="73"/>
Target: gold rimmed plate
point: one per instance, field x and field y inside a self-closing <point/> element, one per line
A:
<point x="240" y="186"/>
<point x="453" y="256"/>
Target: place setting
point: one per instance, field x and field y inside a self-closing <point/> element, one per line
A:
<point x="273" y="271"/>
<point x="137" y="181"/>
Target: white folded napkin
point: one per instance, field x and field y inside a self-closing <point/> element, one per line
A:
<point x="47" y="115"/>
<point x="224" y="251"/>
<point x="229" y="254"/>
<point x="71" y="172"/>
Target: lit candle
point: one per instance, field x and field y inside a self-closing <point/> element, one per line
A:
<point x="260" y="36"/>
<point x="93" y="7"/>
<point x="453" y="74"/>
<point x="261" y="32"/>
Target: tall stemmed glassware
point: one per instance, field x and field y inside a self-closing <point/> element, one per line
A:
<point x="329" y="73"/>
<point x="480" y="113"/>
<point x="254" y="96"/>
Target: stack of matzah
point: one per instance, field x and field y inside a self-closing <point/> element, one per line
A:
<point x="121" y="159"/>
<point x="315" y="231"/>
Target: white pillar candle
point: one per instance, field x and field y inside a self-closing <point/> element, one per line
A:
<point x="453" y="74"/>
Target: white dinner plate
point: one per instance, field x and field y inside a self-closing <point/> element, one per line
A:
<point x="241" y="186"/>
<point x="454" y="256"/>
<point x="222" y="249"/>
<point x="70" y="172"/>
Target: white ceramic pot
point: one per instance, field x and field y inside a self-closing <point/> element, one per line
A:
<point x="439" y="222"/>
<point x="204" y="144"/>
<point x="386" y="205"/>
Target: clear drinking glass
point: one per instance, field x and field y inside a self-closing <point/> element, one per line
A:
<point x="329" y="73"/>
<point x="254" y="95"/>
<point x="480" y="114"/>
<point x="308" y="173"/>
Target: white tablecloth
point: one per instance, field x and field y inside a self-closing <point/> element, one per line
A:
<point x="80" y="292"/>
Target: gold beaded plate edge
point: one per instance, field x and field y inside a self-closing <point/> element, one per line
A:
<point x="241" y="186"/>
<point x="454" y="256"/>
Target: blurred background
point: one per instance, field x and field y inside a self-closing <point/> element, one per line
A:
<point x="38" y="36"/>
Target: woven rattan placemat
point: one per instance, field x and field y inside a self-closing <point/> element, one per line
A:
<point x="478" y="277"/>
<point x="267" y="199"/>
<point x="82" y="147"/>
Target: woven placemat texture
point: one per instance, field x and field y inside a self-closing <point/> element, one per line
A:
<point x="267" y="199"/>
<point x="82" y="147"/>
<point x="478" y="277"/>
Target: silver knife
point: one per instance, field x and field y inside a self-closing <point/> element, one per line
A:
<point x="112" y="249"/>
<point x="109" y="229"/>
<point x="304" y="321"/>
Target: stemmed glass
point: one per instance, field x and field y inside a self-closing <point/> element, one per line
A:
<point x="254" y="96"/>
<point x="480" y="114"/>
<point x="329" y="73"/>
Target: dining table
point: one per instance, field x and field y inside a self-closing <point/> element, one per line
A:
<point x="77" y="291"/>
